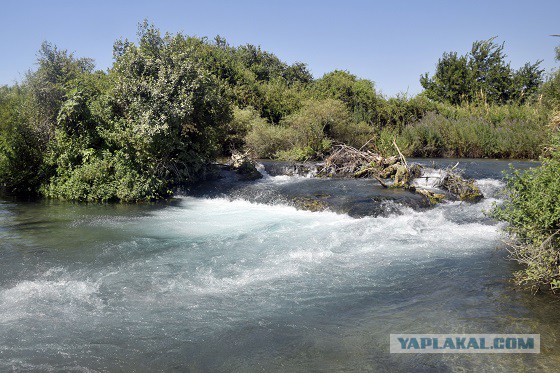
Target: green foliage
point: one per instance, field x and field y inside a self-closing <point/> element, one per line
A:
<point x="533" y="216"/>
<point x="482" y="75"/>
<point x="397" y="112"/>
<point x="20" y="152"/>
<point x="278" y="99"/>
<point x="352" y="133"/>
<point x="105" y="176"/>
<point x="551" y="91"/>
<point x="265" y="139"/>
<point x="298" y="154"/>
<point x="309" y="132"/>
<point x="451" y="81"/>
<point x="156" y="120"/>
<point x="358" y="95"/>
<point x="47" y="86"/>
<point x="316" y="120"/>
<point x="266" y="66"/>
<point x="242" y="122"/>
<point x="495" y="132"/>
<point x="171" y="103"/>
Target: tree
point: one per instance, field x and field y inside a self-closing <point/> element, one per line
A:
<point x="20" y="153"/>
<point x="482" y="75"/>
<point x="357" y="94"/>
<point x="47" y="85"/>
<point x="451" y="81"/>
<point x="317" y="120"/>
<point x="170" y="107"/>
<point x="158" y="124"/>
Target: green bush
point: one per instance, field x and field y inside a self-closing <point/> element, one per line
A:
<point x="243" y="120"/>
<point x="476" y="132"/>
<point x="317" y="120"/>
<point x="266" y="139"/>
<point x="482" y="75"/>
<point x="21" y="157"/>
<point x="352" y="133"/>
<point x="532" y="212"/>
<point x="358" y="95"/>
<point x="106" y="177"/>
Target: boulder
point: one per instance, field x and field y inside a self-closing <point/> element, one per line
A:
<point x="244" y="166"/>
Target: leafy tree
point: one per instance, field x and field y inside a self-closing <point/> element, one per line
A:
<point x="47" y="85"/>
<point x="159" y="124"/>
<point x="297" y="73"/>
<point x="20" y="153"/>
<point x="481" y="75"/>
<point x="278" y="99"/>
<point x="29" y="118"/>
<point x="357" y="94"/>
<point x="266" y="66"/>
<point x="533" y="214"/>
<point x="550" y="90"/>
<point x="452" y="80"/>
<point x="316" y="120"/>
<point x="243" y="121"/>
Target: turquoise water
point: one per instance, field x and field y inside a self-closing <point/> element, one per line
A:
<point x="236" y="279"/>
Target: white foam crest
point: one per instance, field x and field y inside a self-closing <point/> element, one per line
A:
<point x="418" y="232"/>
<point x="490" y="187"/>
<point x="28" y="297"/>
<point x="303" y="242"/>
<point x="209" y="282"/>
<point x="196" y="217"/>
<point x="283" y="179"/>
<point x="430" y="177"/>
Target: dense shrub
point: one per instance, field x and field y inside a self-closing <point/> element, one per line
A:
<point x="266" y="139"/>
<point x="157" y="122"/>
<point x="358" y="95"/>
<point x="532" y="212"/>
<point x="494" y="132"/>
<point x="21" y="157"/>
<point x="170" y="104"/>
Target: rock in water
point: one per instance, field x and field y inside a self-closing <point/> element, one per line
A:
<point x="434" y="198"/>
<point x="245" y="166"/>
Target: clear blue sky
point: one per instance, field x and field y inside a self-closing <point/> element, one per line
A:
<point x="389" y="42"/>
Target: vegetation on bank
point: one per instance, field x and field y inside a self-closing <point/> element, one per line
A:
<point x="532" y="209"/>
<point x="532" y="212"/>
<point x="172" y="103"/>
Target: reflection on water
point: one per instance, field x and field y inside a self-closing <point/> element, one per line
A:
<point x="237" y="280"/>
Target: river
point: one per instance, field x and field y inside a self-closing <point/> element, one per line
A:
<point x="232" y="277"/>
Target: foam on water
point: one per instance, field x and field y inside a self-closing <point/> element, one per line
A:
<point x="189" y="273"/>
<point x="430" y="177"/>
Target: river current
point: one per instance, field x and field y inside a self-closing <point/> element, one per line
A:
<point x="231" y="276"/>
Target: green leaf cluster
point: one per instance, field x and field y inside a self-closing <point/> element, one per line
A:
<point x="482" y="75"/>
<point x="532" y="212"/>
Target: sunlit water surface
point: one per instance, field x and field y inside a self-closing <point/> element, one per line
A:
<point x="239" y="280"/>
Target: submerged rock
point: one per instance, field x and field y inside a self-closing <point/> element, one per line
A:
<point x="310" y="204"/>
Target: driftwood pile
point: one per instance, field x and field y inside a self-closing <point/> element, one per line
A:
<point x="466" y="190"/>
<point x="346" y="161"/>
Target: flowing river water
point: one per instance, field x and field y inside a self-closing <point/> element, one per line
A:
<point x="232" y="277"/>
